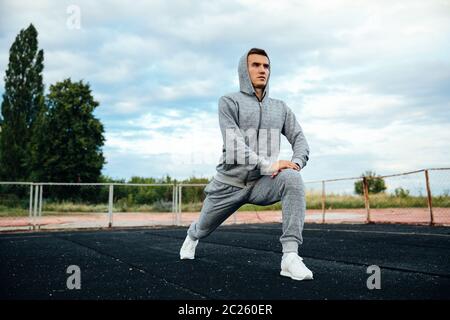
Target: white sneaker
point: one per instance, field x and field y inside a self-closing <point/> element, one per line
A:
<point x="292" y="266"/>
<point x="188" y="249"/>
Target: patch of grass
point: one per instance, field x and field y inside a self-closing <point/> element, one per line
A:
<point x="334" y="201"/>
<point x="254" y="207"/>
<point x="67" y="206"/>
<point x="390" y="201"/>
<point x="313" y="201"/>
<point x="13" y="211"/>
<point x="191" y="206"/>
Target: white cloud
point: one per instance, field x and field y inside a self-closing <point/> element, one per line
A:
<point x="62" y="64"/>
<point x="368" y="80"/>
<point x="392" y="147"/>
<point x="126" y="107"/>
<point x="189" y="139"/>
<point x="184" y="89"/>
<point x="126" y="45"/>
<point x="298" y="81"/>
<point x="351" y="104"/>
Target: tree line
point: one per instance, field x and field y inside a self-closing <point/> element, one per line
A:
<point x="52" y="137"/>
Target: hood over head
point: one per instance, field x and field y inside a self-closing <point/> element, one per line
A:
<point x="245" y="84"/>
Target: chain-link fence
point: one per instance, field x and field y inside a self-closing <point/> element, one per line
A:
<point x="190" y="201"/>
<point x="335" y="201"/>
<point x="404" y="200"/>
<point x="34" y="206"/>
<point x="418" y="197"/>
<point x="16" y="205"/>
<point x="439" y="185"/>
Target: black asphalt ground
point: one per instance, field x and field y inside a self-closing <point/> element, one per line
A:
<point x="235" y="262"/>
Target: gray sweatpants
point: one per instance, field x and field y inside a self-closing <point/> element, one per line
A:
<point x="222" y="200"/>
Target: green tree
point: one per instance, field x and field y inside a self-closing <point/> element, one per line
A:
<point x="402" y="193"/>
<point x="23" y="100"/>
<point x="193" y="194"/>
<point x="374" y="182"/>
<point x="68" y="141"/>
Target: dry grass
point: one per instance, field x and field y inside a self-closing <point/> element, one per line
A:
<point x="313" y="200"/>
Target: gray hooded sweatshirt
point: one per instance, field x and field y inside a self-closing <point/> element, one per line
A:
<point x="254" y="128"/>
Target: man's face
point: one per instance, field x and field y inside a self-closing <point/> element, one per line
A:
<point x="258" y="69"/>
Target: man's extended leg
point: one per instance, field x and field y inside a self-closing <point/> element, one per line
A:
<point x="221" y="201"/>
<point x="288" y="187"/>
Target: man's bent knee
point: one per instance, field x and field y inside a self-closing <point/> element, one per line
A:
<point x="291" y="179"/>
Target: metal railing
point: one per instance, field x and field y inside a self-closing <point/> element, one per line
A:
<point x="332" y="207"/>
<point x="419" y="179"/>
<point x="36" y="194"/>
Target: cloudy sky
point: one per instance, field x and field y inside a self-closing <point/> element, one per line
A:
<point x="369" y="81"/>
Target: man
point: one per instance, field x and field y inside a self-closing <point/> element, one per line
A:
<point x="255" y="178"/>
